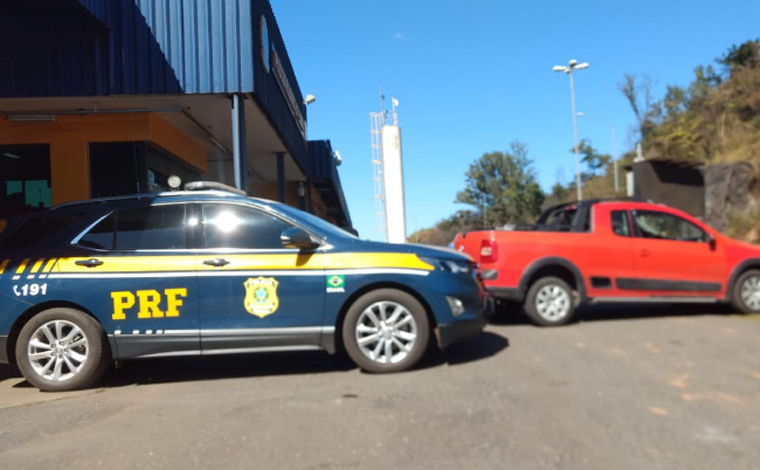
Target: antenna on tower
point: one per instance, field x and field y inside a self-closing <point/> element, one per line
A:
<point x="388" y="172"/>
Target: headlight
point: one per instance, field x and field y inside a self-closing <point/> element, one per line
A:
<point x="455" y="267"/>
<point x="451" y="266"/>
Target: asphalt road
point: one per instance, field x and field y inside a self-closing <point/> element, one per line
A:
<point x="623" y="389"/>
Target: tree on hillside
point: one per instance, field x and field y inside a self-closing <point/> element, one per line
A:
<point x="591" y="157"/>
<point x="444" y="231"/>
<point x="746" y="55"/>
<point x="638" y="92"/>
<point x="503" y="187"/>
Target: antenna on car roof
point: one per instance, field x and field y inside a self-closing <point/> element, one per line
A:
<point x="206" y="185"/>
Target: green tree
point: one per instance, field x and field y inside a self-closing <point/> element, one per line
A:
<point x="445" y="230"/>
<point x="593" y="160"/>
<point x="746" y="55"/>
<point x="560" y="192"/>
<point x="503" y="187"/>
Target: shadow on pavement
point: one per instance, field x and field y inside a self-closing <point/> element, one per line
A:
<point x="472" y="349"/>
<point x="623" y="311"/>
<point x="187" y="369"/>
<point x="9" y="372"/>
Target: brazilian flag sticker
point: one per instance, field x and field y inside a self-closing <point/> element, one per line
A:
<point x="336" y="284"/>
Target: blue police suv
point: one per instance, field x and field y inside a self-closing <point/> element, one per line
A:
<point x="208" y="271"/>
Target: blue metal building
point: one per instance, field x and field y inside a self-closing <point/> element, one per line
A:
<point x="200" y="87"/>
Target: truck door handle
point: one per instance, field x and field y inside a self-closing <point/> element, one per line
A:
<point x="217" y="262"/>
<point x="644" y="253"/>
<point x="90" y="263"/>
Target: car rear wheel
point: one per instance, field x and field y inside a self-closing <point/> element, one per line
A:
<point x="550" y="302"/>
<point x="62" y="349"/>
<point x="386" y="330"/>
<point x="746" y="295"/>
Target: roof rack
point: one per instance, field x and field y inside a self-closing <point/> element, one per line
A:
<point x="205" y="185"/>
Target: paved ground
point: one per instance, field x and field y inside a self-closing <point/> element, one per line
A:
<point x="615" y="391"/>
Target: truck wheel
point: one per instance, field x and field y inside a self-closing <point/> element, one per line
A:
<point x="386" y="330"/>
<point x="62" y="349"/>
<point x="549" y="302"/>
<point x="745" y="297"/>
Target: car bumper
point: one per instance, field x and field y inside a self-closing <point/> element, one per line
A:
<point x="506" y="293"/>
<point x="4" y="350"/>
<point x="454" y="331"/>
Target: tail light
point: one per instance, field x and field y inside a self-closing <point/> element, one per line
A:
<point x="489" y="251"/>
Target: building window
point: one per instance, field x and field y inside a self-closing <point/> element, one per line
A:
<point x="122" y="168"/>
<point x="24" y="179"/>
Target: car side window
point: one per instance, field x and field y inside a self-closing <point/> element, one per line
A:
<point x="659" y="225"/>
<point x="231" y="226"/>
<point x="100" y="236"/>
<point x="619" y="221"/>
<point x="145" y="228"/>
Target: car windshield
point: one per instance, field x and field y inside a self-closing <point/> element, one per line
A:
<point x="320" y="224"/>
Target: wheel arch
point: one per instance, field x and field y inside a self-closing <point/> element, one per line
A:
<point x="741" y="268"/>
<point x="553" y="266"/>
<point x="24" y="318"/>
<point x="338" y="337"/>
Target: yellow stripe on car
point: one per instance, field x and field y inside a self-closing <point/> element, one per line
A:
<point x="263" y="261"/>
<point x="38" y="265"/>
<point x="129" y="264"/>
<point x="49" y="265"/>
<point x="22" y="266"/>
<point x="375" y="260"/>
<point x="3" y="265"/>
<point x="315" y="261"/>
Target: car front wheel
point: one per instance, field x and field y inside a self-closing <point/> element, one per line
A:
<point x="62" y="349"/>
<point x="386" y="330"/>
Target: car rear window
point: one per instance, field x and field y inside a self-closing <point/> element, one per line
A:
<point x="24" y="233"/>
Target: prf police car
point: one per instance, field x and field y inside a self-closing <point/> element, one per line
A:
<point x="210" y="271"/>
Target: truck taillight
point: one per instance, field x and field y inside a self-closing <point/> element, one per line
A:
<point x="489" y="251"/>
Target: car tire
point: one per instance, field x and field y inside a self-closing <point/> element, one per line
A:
<point x="62" y="349"/>
<point x="745" y="294"/>
<point x="550" y="302"/>
<point x="386" y="330"/>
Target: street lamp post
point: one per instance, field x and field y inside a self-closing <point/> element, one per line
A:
<point x="574" y="65"/>
<point x="614" y="155"/>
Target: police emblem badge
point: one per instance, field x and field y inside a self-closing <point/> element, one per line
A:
<point x="261" y="296"/>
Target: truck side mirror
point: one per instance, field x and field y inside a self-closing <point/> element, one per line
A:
<point x="711" y="241"/>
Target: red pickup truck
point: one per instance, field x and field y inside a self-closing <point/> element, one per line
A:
<point x="612" y="251"/>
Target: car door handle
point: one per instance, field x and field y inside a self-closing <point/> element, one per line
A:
<point x="90" y="263"/>
<point x="217" y="262"/>
<point x="644" y="253"/>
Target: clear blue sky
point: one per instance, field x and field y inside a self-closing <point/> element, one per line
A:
<point x="472" y="76"/>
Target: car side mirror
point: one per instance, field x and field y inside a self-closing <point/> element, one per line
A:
<point x="295" y="237"/>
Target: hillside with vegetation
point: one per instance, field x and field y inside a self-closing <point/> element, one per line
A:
<point x="714" y="119"/>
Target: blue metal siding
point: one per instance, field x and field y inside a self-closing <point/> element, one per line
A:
<point x="141" y="47"/>
<point x="174" y="46"/>
<point x="268" y="92"/>
<point x="323" y="173"/>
